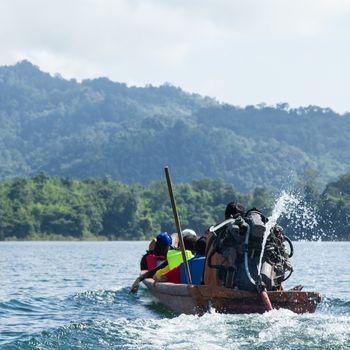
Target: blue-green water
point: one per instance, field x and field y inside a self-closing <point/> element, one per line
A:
<point x="74" y="295"/>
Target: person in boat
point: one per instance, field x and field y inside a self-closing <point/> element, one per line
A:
<point x="191" y="238"/>
<point x="196" y="266"/>
<point x="174" y="256"/>
<point x="214" y="276"/>
<point x="157" y="252"/>
<point x="151" y="246"/>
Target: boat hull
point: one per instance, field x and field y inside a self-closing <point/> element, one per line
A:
<point x="190" y="299"/>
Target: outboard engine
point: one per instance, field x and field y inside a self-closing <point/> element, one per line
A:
<point x="238" y="242"/>
<point x="257" y="222"/>
<point x="247" y="269"/>
<point x="275" y="260"/>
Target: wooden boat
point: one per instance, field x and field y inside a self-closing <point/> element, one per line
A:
<point x="191" y="299"/>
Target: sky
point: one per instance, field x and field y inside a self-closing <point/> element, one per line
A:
<point x="243" y="52"/>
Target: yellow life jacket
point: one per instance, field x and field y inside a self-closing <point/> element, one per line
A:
<point x="174" y="258"/>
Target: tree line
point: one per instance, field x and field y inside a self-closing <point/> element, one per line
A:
<point x="49" y="207"/>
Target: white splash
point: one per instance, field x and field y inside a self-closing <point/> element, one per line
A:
<point x="280" y="208"/>
<point x="292" y="206"/>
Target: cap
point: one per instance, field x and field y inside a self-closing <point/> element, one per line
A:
<point x="164" y="238"/>
<point x="188" y="232"/>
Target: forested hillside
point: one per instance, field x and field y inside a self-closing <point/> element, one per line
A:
<point x="101" y="207"/>
<point x="99" y="127"/>
<point x="45" y="207"/>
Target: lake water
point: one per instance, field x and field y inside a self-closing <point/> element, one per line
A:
<point x="74" y="295"/>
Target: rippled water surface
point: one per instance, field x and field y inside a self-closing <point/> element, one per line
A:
<point x="74" y="295"/>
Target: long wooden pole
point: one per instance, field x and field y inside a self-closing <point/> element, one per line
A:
<point x="177" y="223"/>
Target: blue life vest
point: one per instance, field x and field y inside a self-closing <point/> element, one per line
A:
<point x="196" y="266"/>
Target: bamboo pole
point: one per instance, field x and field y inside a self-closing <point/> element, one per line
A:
<point x="177" y="223"/>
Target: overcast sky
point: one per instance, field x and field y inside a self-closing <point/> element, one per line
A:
<point x="238" y="51"/>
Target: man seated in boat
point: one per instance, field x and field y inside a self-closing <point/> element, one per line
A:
<point x="213" y="276"/>
<point x="157" y="252"/>
<point x="196" y="266"/>
<point x="174" y="256"/>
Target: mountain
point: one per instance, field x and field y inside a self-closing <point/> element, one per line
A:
<point x="99" y="127"/>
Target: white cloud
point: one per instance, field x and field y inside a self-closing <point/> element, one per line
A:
<point x="240" y="51"/>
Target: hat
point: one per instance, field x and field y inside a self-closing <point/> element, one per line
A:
<point x="188" y="233"/>
<point x="164" y="239"/>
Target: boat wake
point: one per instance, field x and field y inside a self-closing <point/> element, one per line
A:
<point x="328" y="328"/>
<point x="278" y="329"/>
